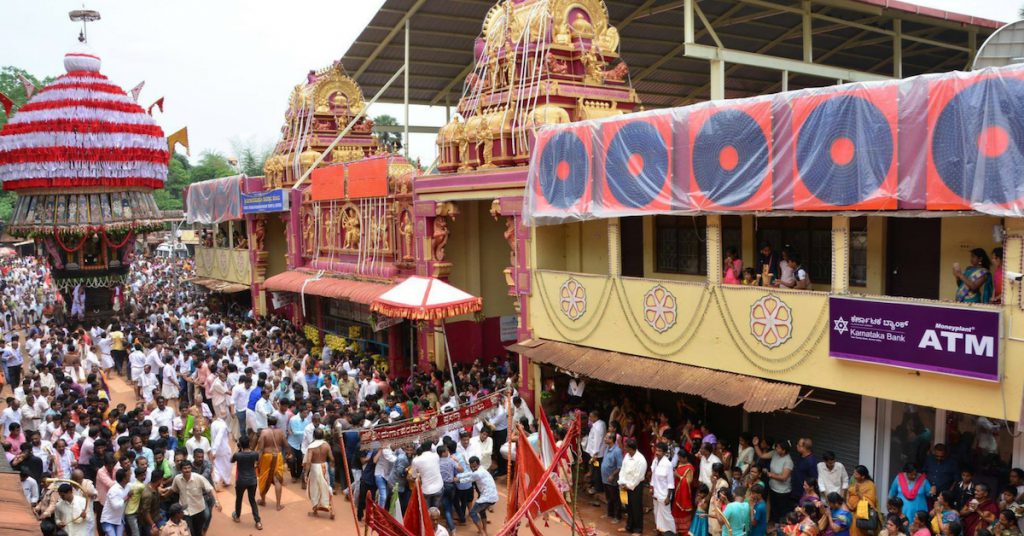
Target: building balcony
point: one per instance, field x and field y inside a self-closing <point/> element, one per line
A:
<point x="800" y="337"/>
<point x="226" y="264"/>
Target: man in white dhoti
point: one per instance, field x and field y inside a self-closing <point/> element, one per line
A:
<point x="220" y="451"/>
<point x="220" y="395"/>
<point x="663" y="487"/>
<point x="315" y="466"/>
<point x="78" y="301"/>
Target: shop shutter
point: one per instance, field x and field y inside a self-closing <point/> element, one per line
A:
<point x="835" y="428"/>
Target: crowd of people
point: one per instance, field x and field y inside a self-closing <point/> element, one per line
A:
<point x="670" y="465"/>
<point x="223" y="401"/>
<point x="226" y="401"/>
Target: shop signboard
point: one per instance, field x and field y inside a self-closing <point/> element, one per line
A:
<point x="960" y="341"/>
<point x="263" y="202"/>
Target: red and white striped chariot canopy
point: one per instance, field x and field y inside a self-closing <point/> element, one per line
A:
<point x="425" y="298"/>
<point x="82" y="131"/>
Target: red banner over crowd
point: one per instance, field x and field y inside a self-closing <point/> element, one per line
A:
<point x="420" y="427"/>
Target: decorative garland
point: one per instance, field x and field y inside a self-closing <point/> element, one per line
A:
<point x="77" y="231"/>
<point x="98" y="281"/>
<point x="127" y="238"/>
<point x="81" y="243"/>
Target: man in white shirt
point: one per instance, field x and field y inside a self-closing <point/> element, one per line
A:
<point x="594" y="447"/>
<point x="160" y="416"/>
<point x="662" y="488"/>
<point x="240" y="401"/>
<point x="631" y="479"/>
<point x="112" y="515"/>
<point x="71" y="513"/>
<point x="11" y="414"/>
<point x="197" y="441"/>
<point x="832" y="475"/>
<point x="707" y="461"/>
<point x="576" y="388"/>
<point x="264" y="409"/>
<point x="427" y="466"/>
<point x="29" y="487"/>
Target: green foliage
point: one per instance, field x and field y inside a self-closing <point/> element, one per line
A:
<point x="391" y="141"/>
<point x="251" y="157"/>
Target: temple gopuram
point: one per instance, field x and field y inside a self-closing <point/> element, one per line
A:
<point x="349" y="224"/>
<point x="536" y="63"/>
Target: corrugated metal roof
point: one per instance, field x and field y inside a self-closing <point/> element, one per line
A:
<point x="443" y="33"/>
<point x="329" y="287"/>
<point x="725" y="388"/>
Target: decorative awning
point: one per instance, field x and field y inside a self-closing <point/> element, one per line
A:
<point x="725" y="388"/>
<point x="363" y="292"/>
<point x="217" y="285"/>
<point x="425" y="298"/>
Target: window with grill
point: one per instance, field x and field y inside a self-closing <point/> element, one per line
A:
<point x="681" y="242"/>
<point x="858" y="251"/>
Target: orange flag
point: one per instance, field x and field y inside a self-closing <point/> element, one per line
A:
<point x="181" y="137"/>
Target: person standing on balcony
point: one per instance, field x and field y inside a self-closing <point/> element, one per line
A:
<point x="767" y="263"/>
<point x="974" y="284"/>
<point x="733" y="268"/>
<point x="997" y="275"/>
<point x="797" y="276"/>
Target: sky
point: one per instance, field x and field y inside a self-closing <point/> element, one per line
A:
<point x="226" y="67"/>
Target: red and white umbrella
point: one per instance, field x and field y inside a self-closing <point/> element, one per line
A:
<point x="425" y="298"/>
<point x="8" y="252"/>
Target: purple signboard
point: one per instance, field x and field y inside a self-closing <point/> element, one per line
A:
<point x="949" y="340"/>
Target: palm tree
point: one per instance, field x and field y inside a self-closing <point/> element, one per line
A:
<point x="391" y="141"/>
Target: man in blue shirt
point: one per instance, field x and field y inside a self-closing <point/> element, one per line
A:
<point x="610" y="465"/>
<point x="296" y="431"/>
<point x="759" y="521"/>
<point x="942" y="471"/>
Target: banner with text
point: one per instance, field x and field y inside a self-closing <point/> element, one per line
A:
<point x="420" y="428"/>
<point x="261" y="202"/>
<point x="959" y="341"/>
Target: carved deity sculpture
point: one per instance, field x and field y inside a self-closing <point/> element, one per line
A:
<point x="484" y="145"/>
<point x="593" y="66"/>
<point x="462" y="139"/>
<point x="330" y="231"/>
<point x="259" y="233"/>
<point x="308" y="230"/>
<point x="407" y="231"/>
<point x="510" y="237"/>
<point x="619" y="73"/>
<point x="555" y="65"/>
<point x="350" y="220"/>
<point x="439" y="238"/>
<point x="563" y="34"/>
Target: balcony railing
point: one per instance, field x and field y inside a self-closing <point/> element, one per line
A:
<point x="226" y="264"/>
<point x="774" y="333"/>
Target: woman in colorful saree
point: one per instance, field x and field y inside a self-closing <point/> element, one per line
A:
<point x="974" y="284"/>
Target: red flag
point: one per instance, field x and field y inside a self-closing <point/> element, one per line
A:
<point x="417" y="516"/>
<point x="30" y="88"/>
<point x="159" y="104"/>
<point x="381" y="522"/>
<point x="528" y="476"/>
<point x="531" y="501"/>
<point x="138" y="89"/>
<point x="7" y="103"/>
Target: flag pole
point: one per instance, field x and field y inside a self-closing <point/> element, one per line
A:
<point x="448" y="356"/>
<point x="348" y="481"/>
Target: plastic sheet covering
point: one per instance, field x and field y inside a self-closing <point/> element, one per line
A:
<point x="952" y="141"/>
<point x="215" y="200"/>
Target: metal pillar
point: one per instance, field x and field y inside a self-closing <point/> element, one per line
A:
<point x="717" y="79"/>
<point x="405" y="94"/>
<point x="897" y="48"/>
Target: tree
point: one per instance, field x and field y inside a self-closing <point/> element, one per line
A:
<point x="251" y="156"/>
<point x="392" y="141"/>
<point x="10" y="85"/>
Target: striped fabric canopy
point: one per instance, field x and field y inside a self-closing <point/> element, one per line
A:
<point x="82" y="131"/>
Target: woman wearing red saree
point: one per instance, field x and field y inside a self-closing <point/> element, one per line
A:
<point x="682" y="504"/>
